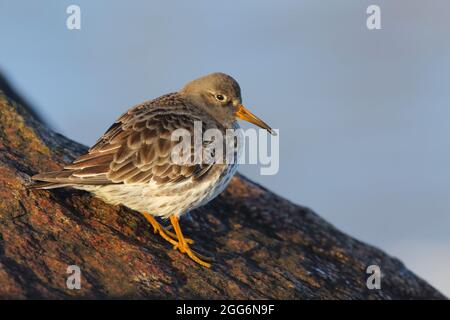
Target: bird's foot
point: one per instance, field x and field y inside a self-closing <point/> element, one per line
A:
<point x="163" y="232"/>
<point x="197" y="257"/>
<point x="174" y="236"/>
<point x="177" y="239"/>
<point x="183" y="246"/>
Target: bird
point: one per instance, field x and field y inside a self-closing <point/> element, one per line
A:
<point x="132" y="163"/>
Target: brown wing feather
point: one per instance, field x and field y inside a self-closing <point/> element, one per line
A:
<point x="135" y="149"/>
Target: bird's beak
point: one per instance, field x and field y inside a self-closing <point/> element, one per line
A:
<point x="246" y="115"/>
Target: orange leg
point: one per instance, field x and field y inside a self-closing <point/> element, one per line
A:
<point x="157" y="228"/>
<point x="174" y="236"/>
<point x="183" y="246"/>
<point x="163" y="232"/>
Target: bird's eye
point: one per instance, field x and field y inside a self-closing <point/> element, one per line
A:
<point x="220" y="97"/>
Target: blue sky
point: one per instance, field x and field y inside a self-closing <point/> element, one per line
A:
<point x="363" y="115"/>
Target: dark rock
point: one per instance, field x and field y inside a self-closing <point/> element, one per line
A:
<point x="264" y="245"/>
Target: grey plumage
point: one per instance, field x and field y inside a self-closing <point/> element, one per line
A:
<point x="132" y="163"/>
<point x="134" y="155"/>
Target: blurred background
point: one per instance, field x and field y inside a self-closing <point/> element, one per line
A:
<point x="363" y="114"/>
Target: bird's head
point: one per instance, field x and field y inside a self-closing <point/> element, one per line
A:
<point x="219" y="95"/>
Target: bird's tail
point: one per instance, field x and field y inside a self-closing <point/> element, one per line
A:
<point x="49" y="180"/>
<point x="46" y="185"/>
<point x="69" y="177"/>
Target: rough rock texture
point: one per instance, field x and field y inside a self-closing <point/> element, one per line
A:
<point x="264" y="245"/>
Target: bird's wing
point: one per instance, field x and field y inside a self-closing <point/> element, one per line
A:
<point x="135" y="149"/>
